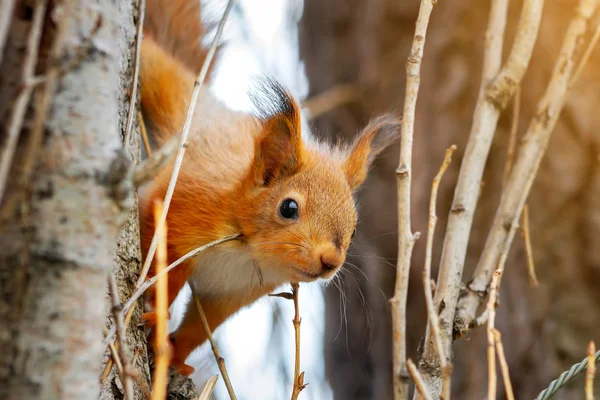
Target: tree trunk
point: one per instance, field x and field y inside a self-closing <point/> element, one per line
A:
<point x="546" y="329"/>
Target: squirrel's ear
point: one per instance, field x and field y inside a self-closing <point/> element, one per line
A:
<point x="374" y="138"/>
<point x="279" y="149"/>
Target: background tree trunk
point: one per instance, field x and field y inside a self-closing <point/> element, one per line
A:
<point x="546" y="329"/>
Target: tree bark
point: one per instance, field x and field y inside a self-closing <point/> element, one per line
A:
<point x="59" y="230"/>
<point x="544" y="330"/>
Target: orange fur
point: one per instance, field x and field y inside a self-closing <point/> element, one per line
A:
<point x="237" y="172"/>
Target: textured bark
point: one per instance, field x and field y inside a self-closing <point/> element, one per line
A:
<point x="545" y="329"/>
<point x="59" y="232"/>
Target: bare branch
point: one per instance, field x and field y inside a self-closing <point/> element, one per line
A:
<point x="406" y="239"/>
<point x="220" y="360"/>
<point x="586" y="56"/>
<point x="136" y="69"/>
<point x="503" y="365"/>
<point x="6" y="13"/>
<point x="298" y="376"/>
<point x="15" y="122"/>
<point x="431" y="311"/>
<point x="419" y="384"/>
<point x="533" y="281"/>
<point x="123" y="353"/>
<point x="491" y="341"/>
<point x="523" y="173"/>
<point x="590" y="372"/>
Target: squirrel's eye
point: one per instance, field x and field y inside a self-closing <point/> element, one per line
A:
<point x="288" y="209"/>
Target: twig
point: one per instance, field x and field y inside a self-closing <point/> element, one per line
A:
<point x="419" y="383"/>
<point x="15" y="123"/>
<point x="123" y="353"/>
<point x="406" y="239"/>
<point x="220" y="360"/>
<point x="208" y="388"/>
<point x="590" y="372"/>
<point x="136" y="68"/>
<point x="161" y="350"/>
<point x="6" y="14"/>
<point x="512" y="138"/>
<point x="149" y="168"/>
<point x="527" y="162"/>
<point x="533" y="281"/>
<point x="431" y="312"/>
<point x="566" y="377"/>
<point x="128" y="308"/>
<point x="331" y="99"/>
<point x="586" y="56"/>
<point x="491" y="342"/>
<point x="183" y="140"/>
<point x="503" y="365"/>
<point x="298" y="376"/>
<point x="145" y="135"/>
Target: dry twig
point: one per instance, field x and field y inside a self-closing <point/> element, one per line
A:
<point x="151" y="166"/>
<point x="586" y="56"/>
<point x="145" y="135"/>
<point x="491" y="341"/>
<point x="161" y="346"/>
<point x="503" y="365"/>
<point x="331" y="99"/>
<point x="498" y="85"/>
<point x="533" y="281"/>
<point x="406" y="239"/>
<point x="136" y="69"/>
<point x="512" y="138"/>
<point x="419" y="384"/>
<point x="122" y="350"/>
<point x="183" y="140"/>
<point x="15" y="122"/>
<point x="208" y="388"/>
<point x="6" y="13"/>
<point x="523" y="173"/>
<point x="220" y="360"/>
<point x="590" y="372"/>
<point x="432" y="314"/>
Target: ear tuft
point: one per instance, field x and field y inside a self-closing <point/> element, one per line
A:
<point x="279" y="148"/>
<point x="380" y="133"/>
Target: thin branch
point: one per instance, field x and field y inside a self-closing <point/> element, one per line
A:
<point x="162" y="354"/>
<point x="122" y="338"/>
<point x="15" y="122"/>
<point x="590" y="372"/>
<point x="503" y="365"/>
<point x="406" y="239"/>
<point x="150" y="167"/>
<point x="298" y="376"/>
<point x="208" y="388"/>
<point x="331" y="99"/>
<point x="491" y="341"/>
<point x="145" y="135"/>
<point x="220" y="360"/>
<point x="533" y="281"/>
<point x="524" y="171"/>
<point x="419" y="383"/>
<point x="183" y="140"/>
<point x="431" y="312"/>
<point x="586" y="56"/>
<point x="6" y="14"/>
<point x="136" y="68"/>
<point x="128" y="308"/>
<point x="512" y="138"/>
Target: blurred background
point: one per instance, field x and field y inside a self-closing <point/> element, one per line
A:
<point x="314" y="46"/>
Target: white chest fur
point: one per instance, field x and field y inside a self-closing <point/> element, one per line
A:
<point x="221" y="272"/>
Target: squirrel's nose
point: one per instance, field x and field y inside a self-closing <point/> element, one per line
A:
<point x="330" y="262"/>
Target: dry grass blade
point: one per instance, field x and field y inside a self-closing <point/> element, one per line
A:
<point x="136" y="69"/>
<point x="590" y="372"/>
<point x="145" y="135"/>
<point x="431" y="312"/>
<point x="183" y="140"/>
<point x="208" y="388"/>
<point x="534" y="144"/>
<point x="503" y="365"/>
<point x="491" y="341"/>
<point x="122" y="349"/>
<point x="220" y="360"/>
<point x="161" y="346"/>
<point x="406" y="239"/>
<point x="419" y="384"/>
<point x="15" y="122"/>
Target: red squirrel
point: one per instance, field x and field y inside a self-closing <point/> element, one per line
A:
<point x="291" y="198"/>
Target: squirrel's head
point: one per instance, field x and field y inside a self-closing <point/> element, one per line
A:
<point x="302" y="215"/>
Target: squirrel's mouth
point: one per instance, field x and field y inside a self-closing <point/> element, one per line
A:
<point x="308" y="277"/>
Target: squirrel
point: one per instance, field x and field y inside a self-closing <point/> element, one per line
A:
<point x="290" y="197"/>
